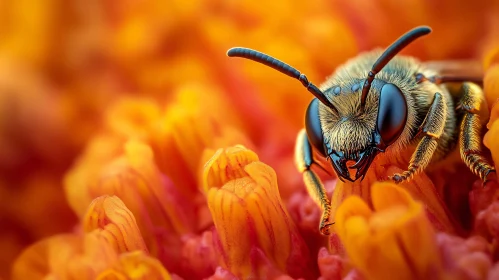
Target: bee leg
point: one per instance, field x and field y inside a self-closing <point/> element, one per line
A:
<point x="432" y="128"/>
<point x="470" y="133"/>
<point x="304" y="160"/>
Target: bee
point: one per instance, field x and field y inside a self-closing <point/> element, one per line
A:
<point x="381" y="103"/>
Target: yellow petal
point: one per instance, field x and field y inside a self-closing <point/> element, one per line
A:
<point x="226" y="165"/>
<point x="161" y="211"/>
<point x="491" y="84"/>
<point x="491" y="58"/>
<point x="110" y="218"/>
<point x="90" y="256"/>
<point x="395" y="241"/>
<point x="224" y="208"/>
<point x="65" y="256"/>
<point x="494" y="115"/>
<point x="134" y="266"/>
<point x="356" y="207"/>
<point x="491" y="139"/>
<point x="99" y="151"/>
<point x="384" y="195"/>
<point x="163" y="201"/>
<point x="420" y="187"/>
<point x="187" y="128"/>
<point x="133" y="118"/>
<point x="249" y="215"/>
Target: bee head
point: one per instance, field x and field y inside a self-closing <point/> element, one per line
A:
<point x="351" y="138"/>
<point x="360" y="128"/>
<point x="361" y="131"/>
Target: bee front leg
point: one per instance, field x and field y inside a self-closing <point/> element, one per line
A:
<point x="304" y="160"/>
<point x="432" y="128"/>
<point x="470" y="133"/>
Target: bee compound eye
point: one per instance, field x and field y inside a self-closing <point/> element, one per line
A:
<point x="313" y="126"/>
<point x="392" y="113"/>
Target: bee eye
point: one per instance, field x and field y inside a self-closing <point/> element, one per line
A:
<point x="313" y="126"/>
<point x="392" y="113"/>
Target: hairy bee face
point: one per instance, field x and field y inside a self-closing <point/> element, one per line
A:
<point x="352" y="137"/>
<point x="362" y="119"/>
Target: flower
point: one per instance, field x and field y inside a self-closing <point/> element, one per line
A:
<point x="491" y="86"/>
<point x="249" y="215"/>
<point x="420" y="188"/>
<point x="163" y="213"/>
<point x="492" y="94"/>
<point x="394" y="240"/>
<point x="110" y="247"/>
<point x="49" y="258"/>
<point x="185" y="130"/>
<point x="135" y="265"/>
<point x="109" y="218"/>
<point x="121" y="128"/>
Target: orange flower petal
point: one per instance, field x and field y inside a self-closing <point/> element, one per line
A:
<point x="161" y="211"/>
<point x="394" y="241"/>
<point x="189" y="127"/>
<point x="65" y="257"/>
<point x="109" y="217"/>
<point x="162" y="201"/>
<point x="420" y="187"/>
<point x="226" y="165"/>
<point x="491" y="58"/>
<point x="250" y="201"/>
<point x="491" y="86"/>
<point x="135" y="265"/>
<point x="133" y="118"/>
<point x="100" y="150"/>
<point x="491" y="138"/>
<point x="135" y="178"/>
<point x="494" y="115"/>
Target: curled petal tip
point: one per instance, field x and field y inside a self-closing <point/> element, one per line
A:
<point x="248" y="214"/>
<point x="225" y="165"/>
<point x="388" y="194"/>
<point x="396" y="236"/>
<point x="110" y="218"/>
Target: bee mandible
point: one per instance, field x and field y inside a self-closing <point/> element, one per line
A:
<point x="380" y="103"/>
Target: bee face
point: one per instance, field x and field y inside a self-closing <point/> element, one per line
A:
<point x="354" y="135"/>
<point x="357" y="124"/>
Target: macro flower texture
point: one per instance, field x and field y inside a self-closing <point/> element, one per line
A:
<point x="132" y="147"/>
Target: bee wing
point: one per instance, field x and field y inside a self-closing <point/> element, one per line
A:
<point x="457" y="70"/>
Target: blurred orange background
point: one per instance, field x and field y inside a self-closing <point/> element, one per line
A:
<point x="63" y="64"/>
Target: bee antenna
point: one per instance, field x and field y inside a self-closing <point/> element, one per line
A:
<point x="281" y="67"/>
<point x="389" y="53"/>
